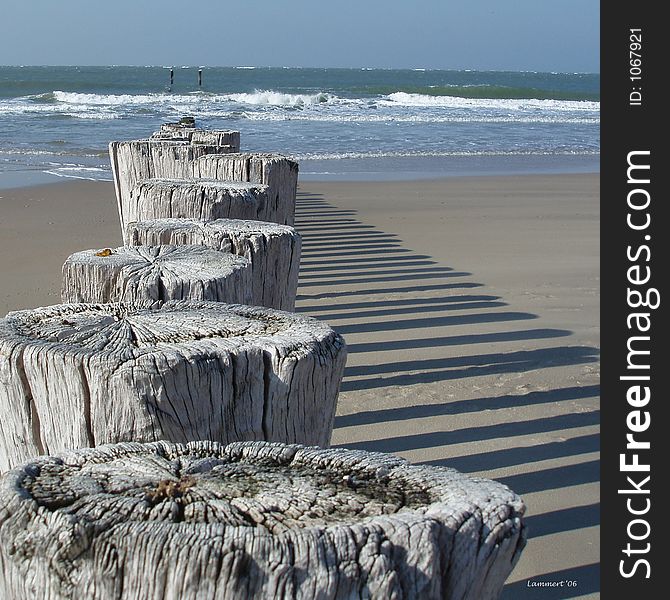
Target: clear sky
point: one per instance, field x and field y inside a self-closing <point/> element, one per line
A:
<point x="524" y="35"/>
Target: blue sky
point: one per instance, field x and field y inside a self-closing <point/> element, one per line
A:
<point x="525" y="35"/>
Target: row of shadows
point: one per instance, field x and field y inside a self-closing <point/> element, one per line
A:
<point x="393" y="306"/>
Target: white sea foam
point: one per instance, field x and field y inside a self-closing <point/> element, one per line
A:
<point x="398" y="106"/>
<point x="431" y="153"/>
<point x="101" y="116"/>
<point x="78" y="98"/>
<point x="258" y="97"/>
<point x="14" y="107"/>
<point x="79" y="172"/>
<point x="415" y="118"/>
<point x="270" y="97"/>
<point x="418" y="100"/>
<point x="38" y="152"/>
<point x="426" y="108"/>
<point x="270" y="105"/>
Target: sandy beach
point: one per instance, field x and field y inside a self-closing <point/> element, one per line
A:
<point x="470" y="306"/>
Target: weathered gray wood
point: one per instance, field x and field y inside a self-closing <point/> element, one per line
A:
<point x="274" y="250"/>
<point x="79" y="375"/>
<point x="152" y="274"/>
<point x="229" y="139"/>
<point x="189" y="132"/>
<point x="252" y="520"/>
<point x="137" y="160"/>
<point x="279" y="173"/>
<point x="180" y="130"/>
<point x="204" y="199"/>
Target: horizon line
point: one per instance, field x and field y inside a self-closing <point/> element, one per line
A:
<point x="252" y="67"/>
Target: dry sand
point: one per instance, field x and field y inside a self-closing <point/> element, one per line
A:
<point x="471" y="310"/>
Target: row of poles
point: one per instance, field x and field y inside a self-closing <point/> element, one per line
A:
<point x="172" y="77"/>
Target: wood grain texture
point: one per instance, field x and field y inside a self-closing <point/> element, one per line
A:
<point x="204" y="199"/>
<point x="136" y="160"/>
<point x="80" y="375"/>
<point x="274" y="250"/>
<point x="202" y="521"/>
<point x="149" y="275"/>
<point x="190" y="133"/>
<point x="278" y="172"/>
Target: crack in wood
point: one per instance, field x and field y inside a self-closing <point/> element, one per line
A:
<point x="267" y="520"/>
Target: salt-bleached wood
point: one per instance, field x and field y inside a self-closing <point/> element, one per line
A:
<point x="80" y="375"/>
<point x="137" y="160"/>
<point x="278" y="172"/>
<point x="179" y="130"/>
<point x="274" y="250"/>
<point x="228" y="139"/>
<point x="153" y="274"/>
<point x="189" y="132"/>
<point x="204" y="199"/>
<point x="201" y="521"/>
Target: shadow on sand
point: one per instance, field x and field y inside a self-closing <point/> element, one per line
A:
<point x="390" y="303"/>
<point x="355" y="261"/>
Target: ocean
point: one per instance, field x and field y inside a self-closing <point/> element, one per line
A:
<point x="56" y="122"/>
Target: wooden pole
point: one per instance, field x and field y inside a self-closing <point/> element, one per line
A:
<point x="82" y="375"/>
<point x="153" y="274"/>
<point x="274" y="250"/>
<point x="136" y="160"/>
<point x="203" y="521"/>
<point x="278" y="172"/>
<point x="203" y="199"/>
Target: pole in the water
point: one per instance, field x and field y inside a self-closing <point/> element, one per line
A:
<point x="199" y="77"/>
<point x="171" y="76"/>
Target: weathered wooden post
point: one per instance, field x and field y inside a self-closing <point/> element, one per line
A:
<point x="278" y="172"/>
<point x="180" y="130"/>
<point x="79" y="375"/>
<point x="204" y="199"/>
<point x="274" y="250"/>
<point x="153" y="274"/>
<point x="185" y="130"/>
<point x="203" y="521"/>
<point x="169" y="155"/>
